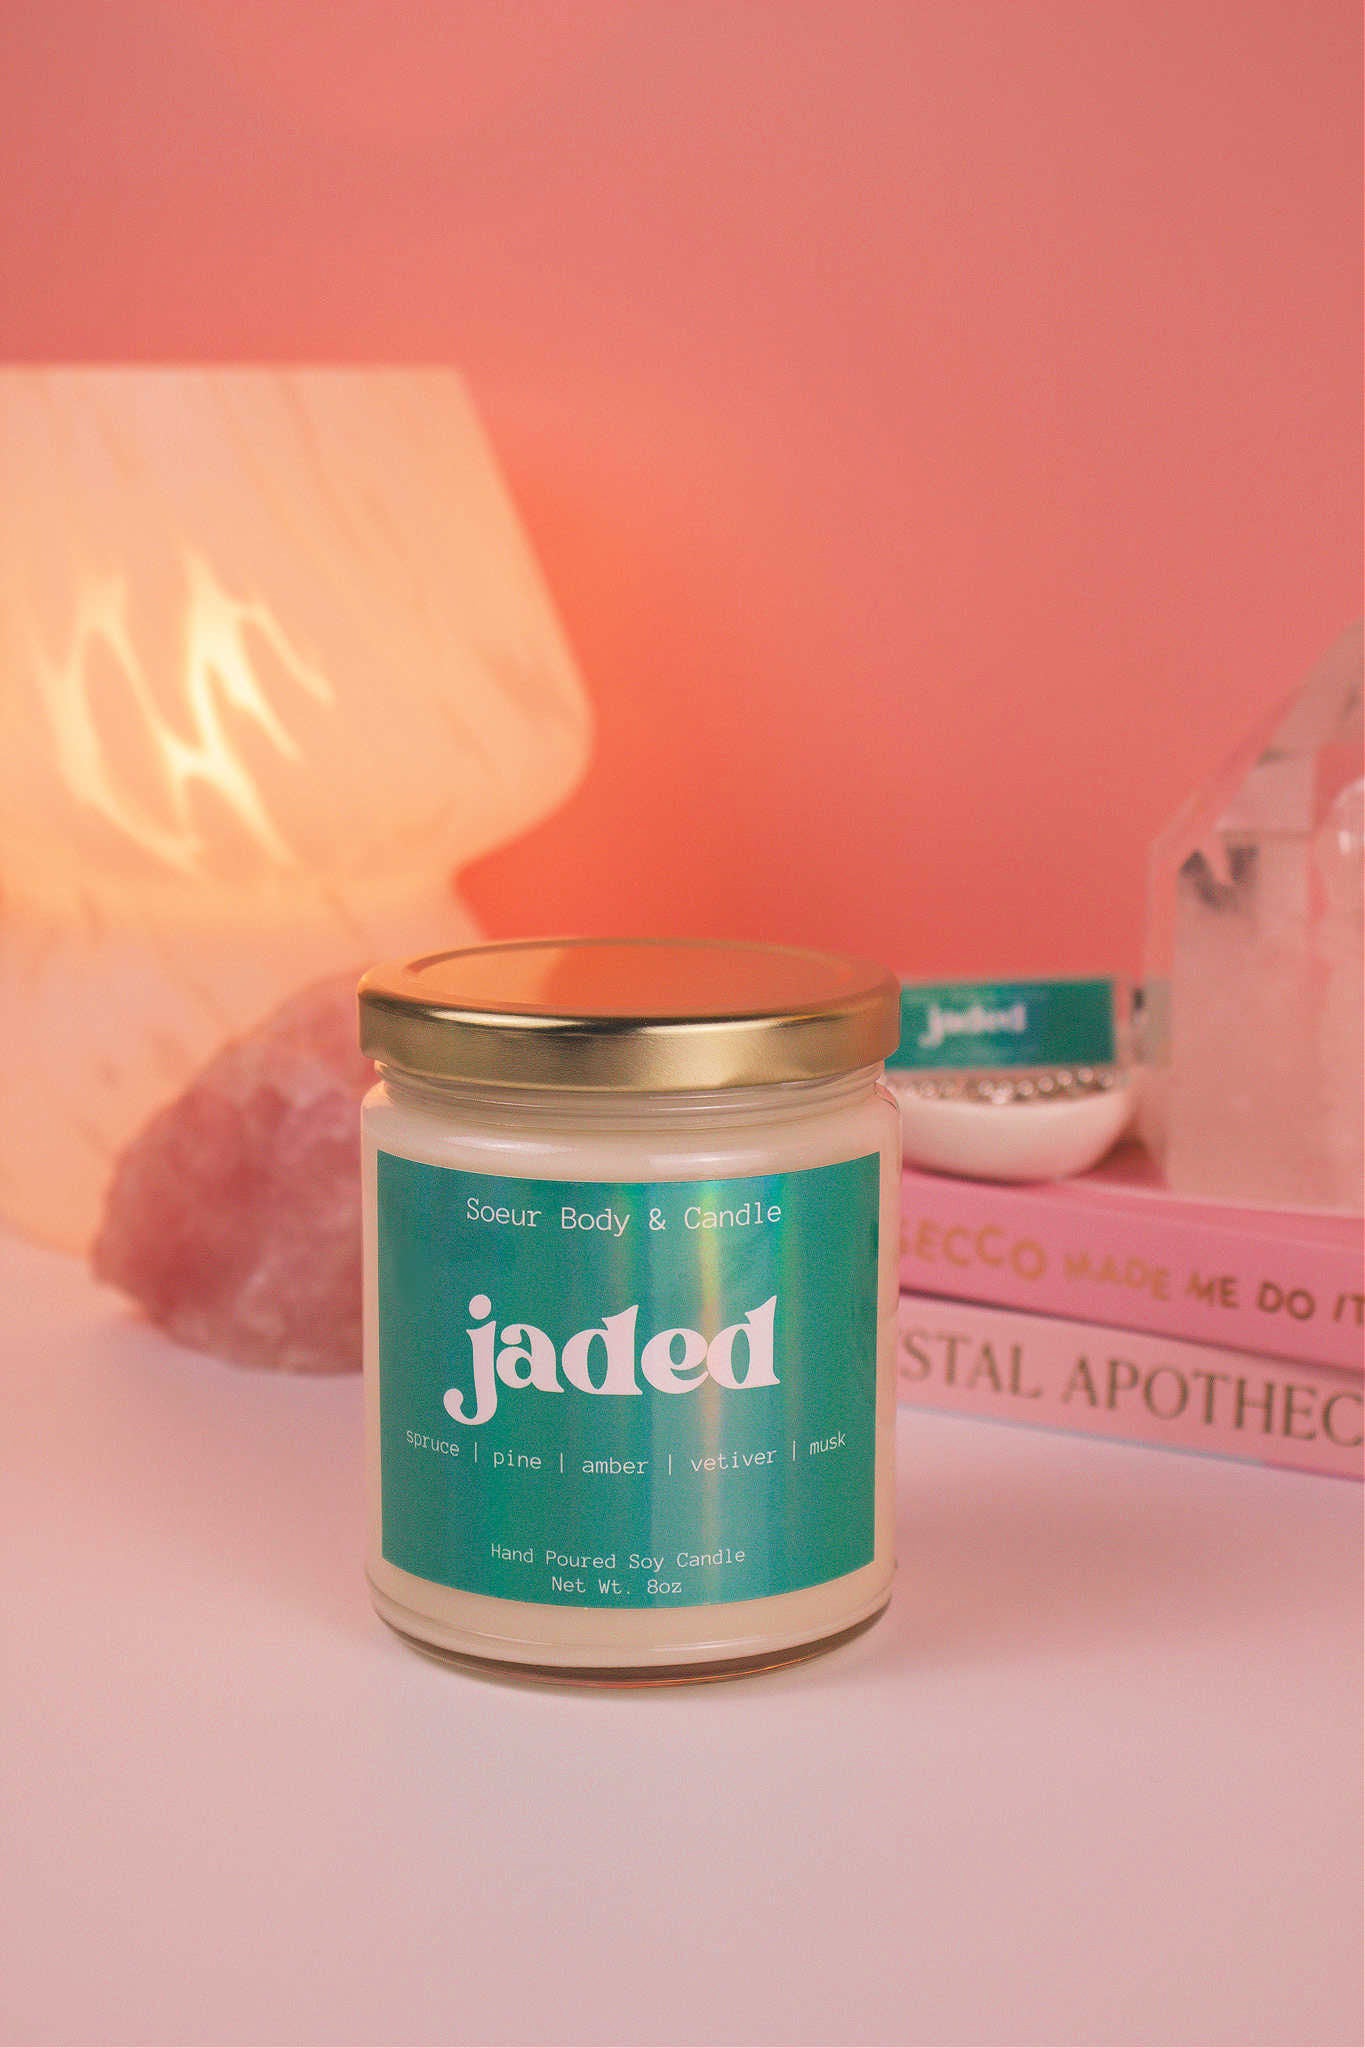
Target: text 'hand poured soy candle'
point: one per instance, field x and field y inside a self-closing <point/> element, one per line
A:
<point x="631" y="1251"/>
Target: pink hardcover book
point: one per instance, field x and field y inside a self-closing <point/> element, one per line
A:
<point x="1010" y="1366"/>
<point x="1117" y="1248"/>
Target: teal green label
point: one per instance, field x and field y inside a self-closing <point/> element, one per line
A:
<point x="642" y="1394"/>
<point x="1006" y="1024"/>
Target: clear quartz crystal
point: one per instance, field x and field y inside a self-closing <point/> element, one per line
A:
<point x="1254" y="967"/>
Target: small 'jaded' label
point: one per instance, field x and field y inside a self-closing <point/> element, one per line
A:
<point x="627" y="1394"/>
<point x="993" y="1024"/>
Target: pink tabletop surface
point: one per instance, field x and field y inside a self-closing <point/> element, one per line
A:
<point x="1096" y="1779"/>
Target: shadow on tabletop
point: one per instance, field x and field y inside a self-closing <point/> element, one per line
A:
<point x="255" y="1477"/>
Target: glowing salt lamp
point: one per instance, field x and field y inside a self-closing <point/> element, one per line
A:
<point x="276" y="662"/>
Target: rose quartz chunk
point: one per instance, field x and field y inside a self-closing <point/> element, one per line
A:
<point x="233" y="1218"/>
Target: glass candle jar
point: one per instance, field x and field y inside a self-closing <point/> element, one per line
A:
<point x="631" y="1215"/>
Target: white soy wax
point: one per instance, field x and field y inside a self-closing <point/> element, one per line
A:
<point x="631" y="1286"/>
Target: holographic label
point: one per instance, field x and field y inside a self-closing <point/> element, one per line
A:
<point x="627" y="1394"/>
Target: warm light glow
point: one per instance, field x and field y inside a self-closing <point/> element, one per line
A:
<point x="276" y="664"/>
<point x="217" y="677"/>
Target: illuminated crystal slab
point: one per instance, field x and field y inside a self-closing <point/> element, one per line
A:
<point x="1254" y="973"/>
<point x="276" y="663"/>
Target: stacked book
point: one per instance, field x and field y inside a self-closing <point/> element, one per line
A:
<point x="1108" y="1306"/>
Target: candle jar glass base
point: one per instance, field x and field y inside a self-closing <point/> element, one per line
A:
<point x="677" y="1666"/>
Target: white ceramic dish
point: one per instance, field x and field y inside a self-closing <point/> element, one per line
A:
<point x="1040" y="1137"/>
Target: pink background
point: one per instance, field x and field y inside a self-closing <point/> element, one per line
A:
<point x="940" y="424"/>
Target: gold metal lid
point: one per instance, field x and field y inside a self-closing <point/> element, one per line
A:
<point x="629" y="1014"/>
